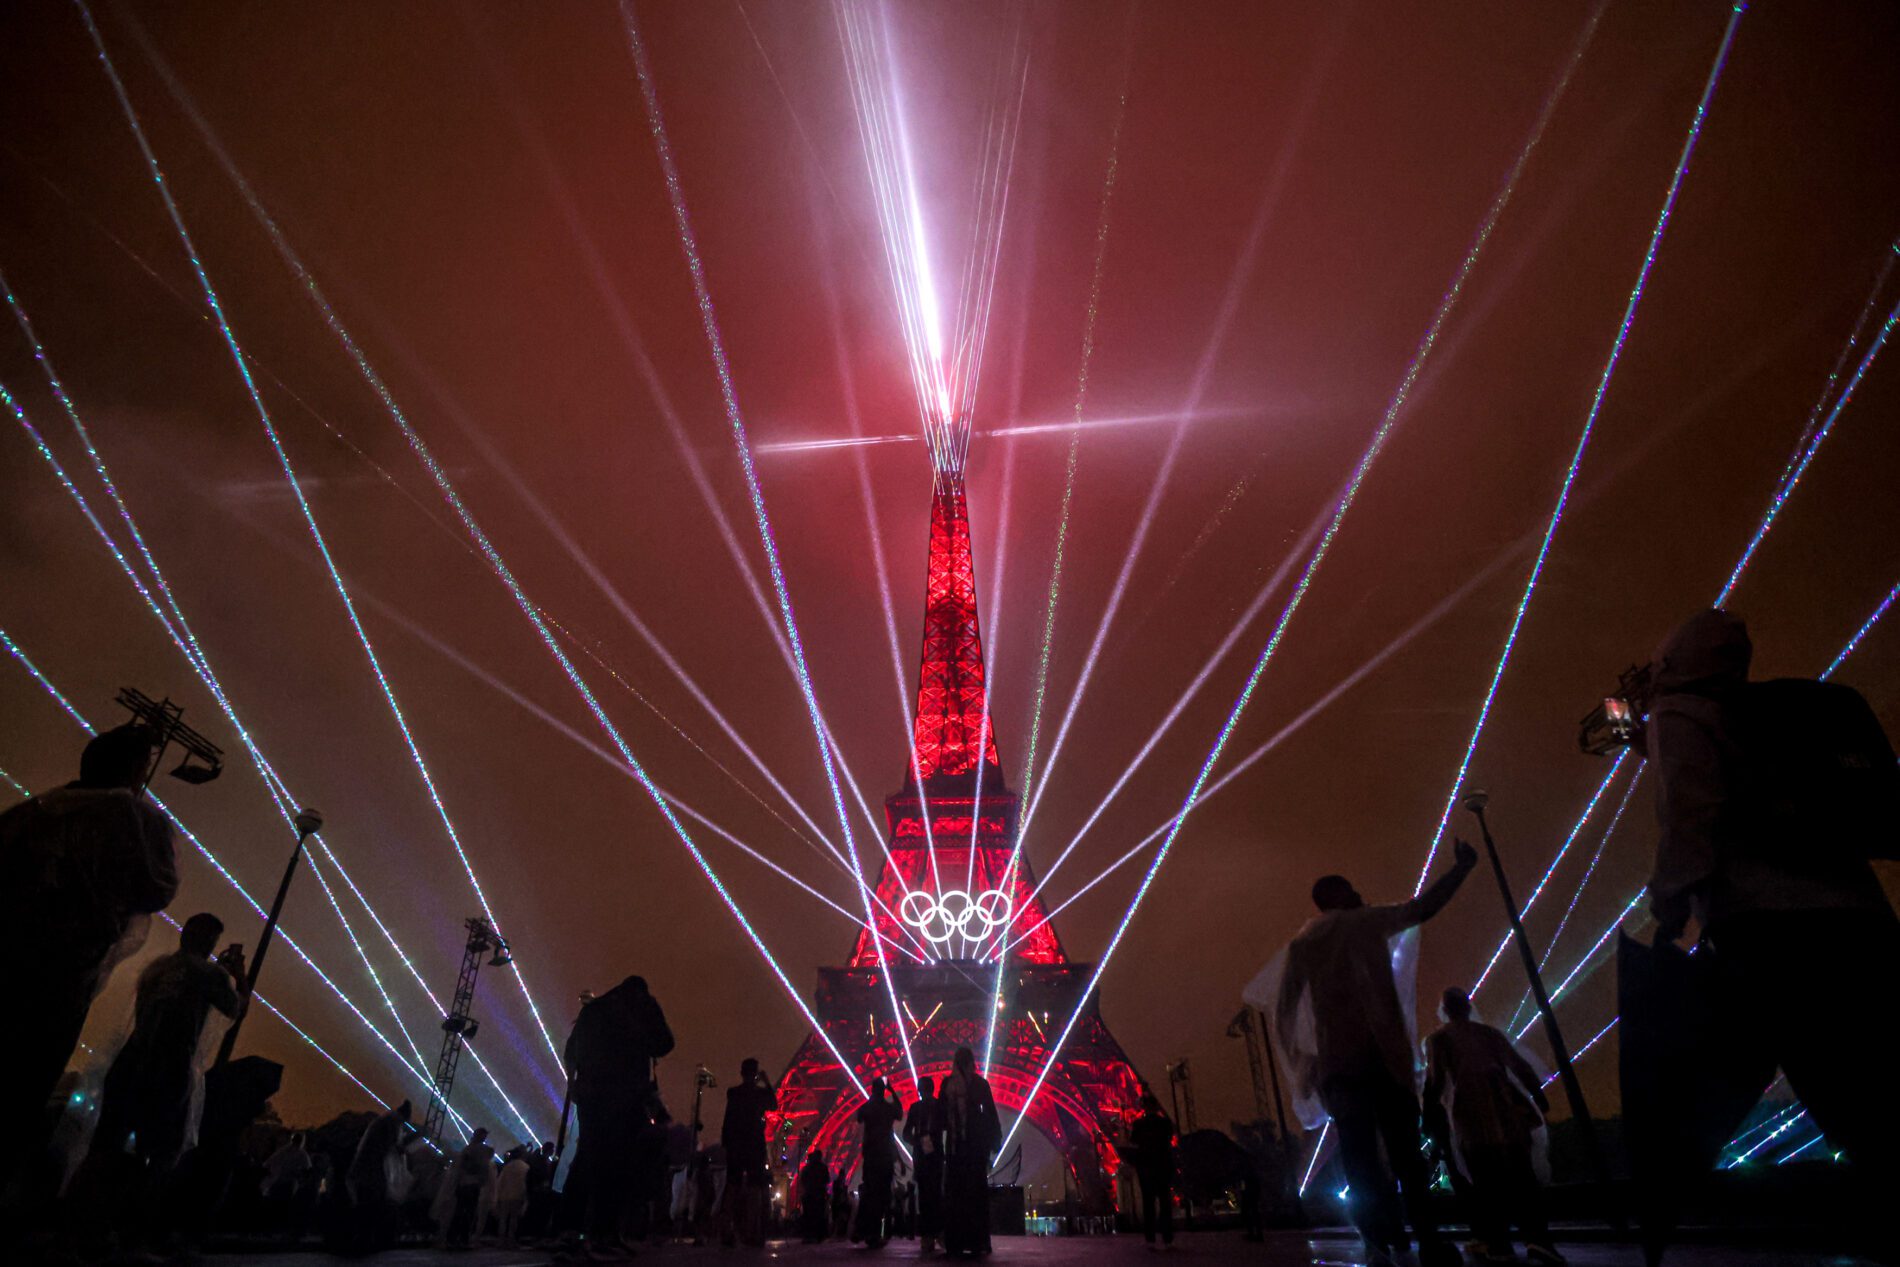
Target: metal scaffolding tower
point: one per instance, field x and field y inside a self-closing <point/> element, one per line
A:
<point x="458" y="1026"/>
<point x="1181" y="1091"/>
<point x="1242" y="1026"/>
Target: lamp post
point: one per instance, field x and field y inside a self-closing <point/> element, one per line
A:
<point x="308" y="823"/>
<point x="1559" y="1052"/>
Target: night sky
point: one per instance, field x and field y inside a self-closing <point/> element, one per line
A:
<point x="477" y="189"/>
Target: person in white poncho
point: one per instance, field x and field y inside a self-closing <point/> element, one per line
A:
<point x="154" y="1092"/>
<point x="1346" y="1036"/>
<point x="1483" y="1094"/>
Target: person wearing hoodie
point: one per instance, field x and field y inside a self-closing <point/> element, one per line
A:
<point x="86" y="865"/>
<point x="814" y="1198"/>
<point x="1771" y="797"/>
<point x="609" y="1058"/>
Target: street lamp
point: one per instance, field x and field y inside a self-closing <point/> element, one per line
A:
<point x="308" y="822"/>
<point x="1475" y="804"/>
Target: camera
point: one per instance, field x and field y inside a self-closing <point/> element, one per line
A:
<point x="1618" y="721"/>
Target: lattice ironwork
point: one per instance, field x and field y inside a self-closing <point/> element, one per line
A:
<point x="952" y="704"/>
<point x="933" y="852"/>
<point x="956" y="830"/>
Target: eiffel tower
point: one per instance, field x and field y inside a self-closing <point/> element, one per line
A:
<point x="948" y="900"/>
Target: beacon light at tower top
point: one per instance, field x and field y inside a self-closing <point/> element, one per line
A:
<point x="944" y="334"/>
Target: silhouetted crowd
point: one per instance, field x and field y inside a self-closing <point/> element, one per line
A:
<point x="1772" y="800"/>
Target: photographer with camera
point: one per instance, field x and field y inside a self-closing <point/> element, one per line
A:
<point x="1772" y="797"/>
<point x="742" y="1210"/>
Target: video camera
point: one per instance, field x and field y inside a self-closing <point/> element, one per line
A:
<point x="1618" y="721"/>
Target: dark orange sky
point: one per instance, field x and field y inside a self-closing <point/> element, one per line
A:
<point x="476" y="187"/>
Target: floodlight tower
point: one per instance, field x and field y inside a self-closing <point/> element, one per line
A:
<point x="1181" y="1091"/>
<point x="1242" y="1027"/>
<point x="203" y="762"/>
<point x="458" y="1026"/>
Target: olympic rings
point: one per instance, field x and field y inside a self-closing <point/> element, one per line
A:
<point x="956" y="913"/>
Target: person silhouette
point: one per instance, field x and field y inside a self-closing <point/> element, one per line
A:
<point x="878" y="1164"/>
<point x="1152" y="1141"/>
<point x="609" y="1057"/>
<point x="747" y="1174"/>
<point x="148" y="1089"/>
<point x="1772" y="799"/>
<point x="814" y="1195"/>
<point x="972" y="1134"/>
<point x="1482" y="1094"/>
<point x="371" y="1204"/>
<point x="82" y="868"/>
<point x="1339" y="986"/>
<point x="923" y="1134"/>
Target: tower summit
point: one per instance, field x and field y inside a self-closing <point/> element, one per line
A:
<point x="955" y="894"/>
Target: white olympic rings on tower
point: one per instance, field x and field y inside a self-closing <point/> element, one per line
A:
<point x="956" y="913"/>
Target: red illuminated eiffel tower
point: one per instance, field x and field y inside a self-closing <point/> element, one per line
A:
<point x="952" y="831"/>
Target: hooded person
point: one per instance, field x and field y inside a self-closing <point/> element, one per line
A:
<point x="814" y="1198"/>
<point x="1342" y="1022"/>
<point x="511" y="1195"/>
<point x="462" y="1204"/>
<point x="1151" y="1141"/>
<point x="372" y="1202"/>
<point x="1483" y="1094"/>
<point x="82" y="869"/>
<point x="1771" y="798"/>
<point x="972" y="1135"/>
<point x="609" y="1059"/>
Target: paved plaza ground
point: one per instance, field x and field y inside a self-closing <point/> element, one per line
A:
<point x="1281" y="1250"/>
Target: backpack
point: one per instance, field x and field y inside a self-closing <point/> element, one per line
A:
<point x="1817" y="783"/>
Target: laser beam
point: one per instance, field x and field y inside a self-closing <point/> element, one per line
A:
<point x="1563" y="851"/>
<point x="499" y="566"/>
<point x="1198" y="384"/>
<point x="1447" y="302"/>
<point x="1867" y="310"/>
<point x="736" y="421"/>
<point x="176" y="626"/>
<point x="1787" y="487"/>
<point x="1090" y="313"/>
<point x="309" y="516"/>
<point x="1814" y="434"/>
<point x="1589" y="426"/>
<point x="1603" y="843"/>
